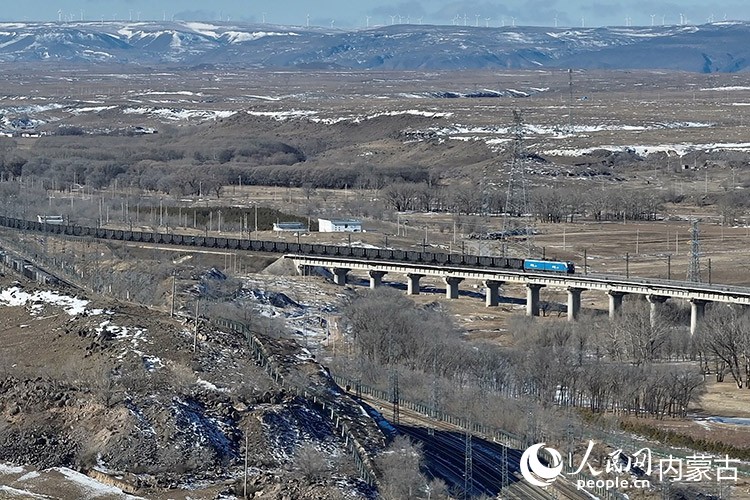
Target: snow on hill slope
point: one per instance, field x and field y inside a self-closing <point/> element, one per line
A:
<point x="705" y="48"/>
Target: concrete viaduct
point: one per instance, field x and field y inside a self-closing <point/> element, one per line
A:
<point x="656" y="291"/>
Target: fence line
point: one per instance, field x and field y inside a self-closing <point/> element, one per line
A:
<point x="364" y="464"/>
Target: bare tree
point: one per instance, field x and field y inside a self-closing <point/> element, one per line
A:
<point x="725" y="334"/>
<point x="399" y="466"/>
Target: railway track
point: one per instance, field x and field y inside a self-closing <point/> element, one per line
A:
<point x="444" y="448"/>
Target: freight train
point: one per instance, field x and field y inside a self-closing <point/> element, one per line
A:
<point x="282" y="247"/>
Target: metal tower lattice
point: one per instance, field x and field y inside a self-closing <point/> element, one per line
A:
<point x="504" y="470"/>
<point x="694" y="267"/>
<point x="395" y="397"/>
<point x="468" y="469"/>
<point x="516" y="198"/>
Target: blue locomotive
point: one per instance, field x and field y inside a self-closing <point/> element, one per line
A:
<point x="549" y="265"/>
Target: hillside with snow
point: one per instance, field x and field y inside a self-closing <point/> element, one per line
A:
<point x="716" y="47"/>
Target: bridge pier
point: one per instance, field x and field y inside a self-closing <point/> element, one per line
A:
<point x="615" y="303"/>
<point x="574" y="303"/>
<point x="412" y="283"/>
<point x="493" y="292"/>
<point x="376" y="278"/>
<point x="339" y="275"/>
<point x="532" y="299"/>
<point x="697" y="312"/>
<point x="655" y="300"/>
<point x="451" y="288"/>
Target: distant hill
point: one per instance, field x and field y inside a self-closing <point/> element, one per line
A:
<point x="716" y="47"/>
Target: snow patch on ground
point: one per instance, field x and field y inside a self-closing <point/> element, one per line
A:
<point x="29" y="476"/>
<point x="313" y="115"/>
<point x="177" y="114"/>
<point x="90" y="109"/>
<point x="211" y="387"/>
<point x="13" y="492"/>
<point x="7" y="469"/>
<point x="644" y="150"/>
<point x="133" y="338"/>
<point x="726" y="89"/>
<point x="729" y="420"/>
<point x="92" y="487"/>
<point x="15" y="297"/>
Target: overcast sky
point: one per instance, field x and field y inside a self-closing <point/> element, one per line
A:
<point x="358" y="13"/>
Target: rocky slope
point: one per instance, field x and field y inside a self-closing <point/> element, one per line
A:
<point x="115" y="389"/>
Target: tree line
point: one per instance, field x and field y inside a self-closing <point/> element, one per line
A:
<point x="625" y="367"/>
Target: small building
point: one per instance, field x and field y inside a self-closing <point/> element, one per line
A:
<point x="53" y="220"/>
<point x="339" y="226"/>
<point x="293" y="227"/>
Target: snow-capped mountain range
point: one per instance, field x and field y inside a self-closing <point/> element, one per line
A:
<point x="716" y="47"/>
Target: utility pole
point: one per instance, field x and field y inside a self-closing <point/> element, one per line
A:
<point x="174" y="292"/>
<point x="669" y="266"/>
<point x="468" y="468"/>
<point x="694" y="267"/>
<point x="570" y="102"/>
<point x="627" y="265"/>
<point x="195" y="329"/>
<point x="246" y="446"/>
<point x="585" y="261"/>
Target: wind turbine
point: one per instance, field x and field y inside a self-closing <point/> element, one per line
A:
<point x="264" y="17"/>
<point x="130" y="15"/>
<point x="476" y="24"/>
<point x="419" y="20"/>
<point x="466" y="19"/>
<point x="487" y="22"/>
<point x="59" y="16"/>
<point x="555" y="21"/>
<point x="652" y="19"/>
<point x="513" y="22"/>
<point x="682" y="19"/>
<point x="367" y="21"/>
<point x="308" y="21"/>
<point x="333" y="21"/>
<point x="583" y="22"/>
<point x="393" y="20"/>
